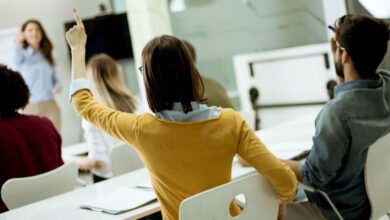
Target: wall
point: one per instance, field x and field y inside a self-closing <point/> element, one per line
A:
<point x="53" y="14"/>
<point x="221" y="28"/>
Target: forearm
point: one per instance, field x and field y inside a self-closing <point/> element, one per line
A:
<point x="18" y="55"/>
<point x="85" y="163"/>
<point x="294" y="165"/>
<point x="78" y="63"/>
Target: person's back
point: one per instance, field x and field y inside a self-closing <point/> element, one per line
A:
<point x="366" y="117"/>
<point x="187" y="146"/>
<point x="110" y="90"/>
<point x="216" y="93"/>
<point x="349" y="124"/>
<point x="30" y="145"/>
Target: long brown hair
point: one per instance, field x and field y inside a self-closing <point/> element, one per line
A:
<point x="170" y="74"/>
<point x="109" y="83"/>
<point x="46" y="46"/>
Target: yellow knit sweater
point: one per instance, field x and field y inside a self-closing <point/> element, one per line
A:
<point x="185" y="158"/>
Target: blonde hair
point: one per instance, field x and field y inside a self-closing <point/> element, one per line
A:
<point x="109" y="83"/>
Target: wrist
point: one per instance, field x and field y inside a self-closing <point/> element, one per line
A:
<point x="78" y="49"/>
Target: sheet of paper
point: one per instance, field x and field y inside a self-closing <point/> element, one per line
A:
<point x="121" y="200"/>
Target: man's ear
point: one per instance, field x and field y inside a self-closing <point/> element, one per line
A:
<point x="345" y="57"/>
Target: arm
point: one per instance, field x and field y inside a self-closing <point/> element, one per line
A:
<point x="77" y="40"/>
<point x="56" y="83"/>
<point x="331" y="143"/>
<point x="255" y="153"/>
<point x="294" y="165"/>
<point x="115" y="123"/>
<point x="18" y="55"/>
<point x="85" y="163"/>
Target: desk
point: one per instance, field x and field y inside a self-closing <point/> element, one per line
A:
<point x="71" y="151"/>
<point x="66" y="206"/>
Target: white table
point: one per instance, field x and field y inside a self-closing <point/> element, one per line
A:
<point x="295" y="134"/>
<point x="71" y="151"/>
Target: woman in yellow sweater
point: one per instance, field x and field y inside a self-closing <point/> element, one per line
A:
<point x="186" y="146"/>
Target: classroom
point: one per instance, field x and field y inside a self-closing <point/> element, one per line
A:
<point x="195" y="109"/>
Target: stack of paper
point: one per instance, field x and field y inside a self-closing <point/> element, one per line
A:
<point x="121" y="200"/>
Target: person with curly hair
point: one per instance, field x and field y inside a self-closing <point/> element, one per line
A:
<point x="29" y="145"/>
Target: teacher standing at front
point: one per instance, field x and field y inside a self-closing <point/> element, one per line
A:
<point x="33" y="59"/>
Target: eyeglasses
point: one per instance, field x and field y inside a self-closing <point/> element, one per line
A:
<point x="334" y="43"/>
<point x="141" y="69"/>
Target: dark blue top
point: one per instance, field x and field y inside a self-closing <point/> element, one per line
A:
<point x="345" y="128"/>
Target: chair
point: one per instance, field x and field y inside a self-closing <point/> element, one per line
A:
<point x="18" y="192"/>
<point x="124" y="159"/>
<point x="377" y="177"/>
<point x="261" y="201"/>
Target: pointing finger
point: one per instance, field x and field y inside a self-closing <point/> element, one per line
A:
<point x="77" y="17"/>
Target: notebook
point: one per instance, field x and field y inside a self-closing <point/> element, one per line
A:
<point x="121" y="200"/>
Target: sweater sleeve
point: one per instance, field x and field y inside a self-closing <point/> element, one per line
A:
<point x="118" y="124"/>
<point x="18" y="54"/>
<point x="253" y="151"/>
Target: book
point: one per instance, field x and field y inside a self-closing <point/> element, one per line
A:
<point x="121" y="200"/>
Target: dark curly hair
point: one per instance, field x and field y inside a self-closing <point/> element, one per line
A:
<point x="14" y="93"/>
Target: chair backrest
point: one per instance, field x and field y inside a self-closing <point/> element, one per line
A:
<point x="18" y="192"/>
<point x="124" y="159"/>
<point x="261" y="201"/>
<point x="377" y="176"/>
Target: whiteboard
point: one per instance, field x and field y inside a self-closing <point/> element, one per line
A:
<point x="7" y="37"/>
<point x="292" y="80"/>
<point x="289" y="76"/>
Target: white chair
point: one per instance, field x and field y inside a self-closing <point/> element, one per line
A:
<point x="377" y="179"/>
<point x="124" y="159"/>
<point x="21" y="191"/>
<point x="261" y="201"/>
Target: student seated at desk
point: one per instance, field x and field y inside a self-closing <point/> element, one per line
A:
<point x="186" y="146"/>
<point x="29" y="145"/>
<point x="349" y="124"/>
<point x="109" y="89"/>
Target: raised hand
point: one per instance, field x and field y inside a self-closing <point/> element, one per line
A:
<point x="76" y="36"/>
<point x="20" y="37"/>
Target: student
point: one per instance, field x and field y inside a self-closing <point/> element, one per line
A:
<point x="214" y="91"/>
<point x="186" y="146"/>
<point x="29" y="145"/>
<point x="109" y="89"/>
<point x="358" y="115"/>
<point x="33" y="59"/>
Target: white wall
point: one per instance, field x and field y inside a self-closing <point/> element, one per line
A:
<point x="220" y="29"/>
<point x="53" y="14"/>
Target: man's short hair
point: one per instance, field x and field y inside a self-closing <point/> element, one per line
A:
<point x="365" y="39"/>
<point x="14" y="93"/>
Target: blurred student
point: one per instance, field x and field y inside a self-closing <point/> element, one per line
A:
<point x="109" y="89"/>
<point x="349" y="124"/>
<point x="214" y="91"/>
<point x="33" y="59"/>
<point x="29" y="145"/>
<point x="186" y="146"/>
